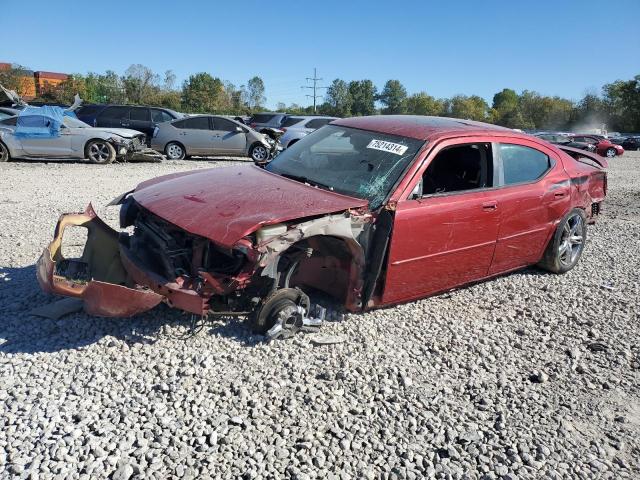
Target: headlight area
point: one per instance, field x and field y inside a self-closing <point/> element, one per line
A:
<point x="122" y="145"/>
<point x="191" y="272"/>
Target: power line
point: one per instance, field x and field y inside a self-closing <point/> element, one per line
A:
<point x="315" y="88"/>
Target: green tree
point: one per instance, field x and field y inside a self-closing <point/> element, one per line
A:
<point x="104" y="88"/>
<point x="363" y="95"/>
<point x="424" y="104"/>
<point x="66" y="90"/>
<point x="467" y="107"/>
<point x="393" y="97"/>
<point x="140" y="83"/>
<point x="202" y="93"/>
<point x="622" y="101"/>
<point x="255" y="93"/>
<point x="17" y="78"/>
<point x="338" y="99"/>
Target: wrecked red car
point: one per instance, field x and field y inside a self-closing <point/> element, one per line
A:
<point x="364" y="213"/>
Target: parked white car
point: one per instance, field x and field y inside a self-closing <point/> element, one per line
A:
<point x="298" y="126"/>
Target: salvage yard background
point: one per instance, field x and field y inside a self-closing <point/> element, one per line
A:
<point x="525" y="375"/>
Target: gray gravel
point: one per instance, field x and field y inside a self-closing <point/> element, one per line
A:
<point x="525" y="376"/>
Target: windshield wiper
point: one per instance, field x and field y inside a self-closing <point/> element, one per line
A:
<point x="300" y="178"/>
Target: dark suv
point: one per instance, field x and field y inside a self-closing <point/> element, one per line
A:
<point x="259" y="121"/>
<point x="631" y="143"/>
<point x="143" y="119"/>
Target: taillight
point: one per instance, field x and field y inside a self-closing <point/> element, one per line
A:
<point x="284" y="129"/>
<point x="253" y="124"/>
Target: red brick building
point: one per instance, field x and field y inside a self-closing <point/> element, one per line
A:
<point x="35" y="84"/>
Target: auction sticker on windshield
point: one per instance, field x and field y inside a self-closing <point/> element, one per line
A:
<point x="387" y="146"/>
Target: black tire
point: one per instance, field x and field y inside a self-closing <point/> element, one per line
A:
<point x="175" y="151"/>
<point x="567" y="244"/>
<point x="610" y="152"/>
<point x="4" y="153"/>
<point x="100" y="152"/>
<point x="259" y="153"/>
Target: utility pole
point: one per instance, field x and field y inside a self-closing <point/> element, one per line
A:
<point x="315" y="88"/>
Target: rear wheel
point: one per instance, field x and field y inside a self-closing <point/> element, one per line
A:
<point x="611" y="152"/>
<point x="100" y="152"/>
<point x="174" y="151"/>
<point x="4" y="152"/>
<point x="566" y="246"/>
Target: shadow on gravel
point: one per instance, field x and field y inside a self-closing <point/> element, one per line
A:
<point x="21" y="332"/>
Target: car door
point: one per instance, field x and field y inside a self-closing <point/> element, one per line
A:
<point x="533" y="194"/>
<point x="226" y="139"/>
<point x="58" y="146"/>
<point x="444" y="234"/>
<point x="140" y="120"/>
<point x="195" y="134"/>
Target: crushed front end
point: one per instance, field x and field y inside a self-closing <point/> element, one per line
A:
<point x="151" y="260"/>
<point x="134" y="149"/>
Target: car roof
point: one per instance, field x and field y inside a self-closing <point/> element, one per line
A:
<point x="311" y="117"/>
<point x="423" y="127"/>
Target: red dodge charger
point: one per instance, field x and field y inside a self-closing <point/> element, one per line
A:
<point x="366" y="212"/>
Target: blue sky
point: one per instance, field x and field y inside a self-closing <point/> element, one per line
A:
<point x="442" y="47"/>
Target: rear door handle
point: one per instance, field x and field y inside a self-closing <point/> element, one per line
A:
<point x="490" y="206"/>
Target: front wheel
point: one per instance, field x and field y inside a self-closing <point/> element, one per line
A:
<point x="611" y="152"/>
<point x="174" y="151"/>
<point x="566" y="246"/>
<point x="259" y="153"/>
<point x="100" y="152"/>
<point x="4" y="152"/>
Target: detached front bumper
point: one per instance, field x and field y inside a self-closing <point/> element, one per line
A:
<point x="98" y="277"/>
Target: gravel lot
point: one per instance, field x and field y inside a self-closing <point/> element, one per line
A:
<point x="525" y="376"/>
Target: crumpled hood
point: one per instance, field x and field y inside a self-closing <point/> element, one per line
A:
<point x="121" y="132"/>
<point x="226" y="204"/>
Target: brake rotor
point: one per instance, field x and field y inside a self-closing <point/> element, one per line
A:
<point x="284" y="313"/>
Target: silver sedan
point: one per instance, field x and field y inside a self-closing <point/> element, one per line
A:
<point x="75" y="139"/>
<point x="210" y="135"/>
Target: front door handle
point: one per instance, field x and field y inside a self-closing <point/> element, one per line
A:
<point x="490" y="206"/>
<point x="559" y="194"/>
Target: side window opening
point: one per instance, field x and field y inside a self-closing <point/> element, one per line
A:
<point x="459" y="168"/>
<point x="522" y="164"/>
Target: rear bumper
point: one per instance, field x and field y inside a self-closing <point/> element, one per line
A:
<point x="108" y="290"/>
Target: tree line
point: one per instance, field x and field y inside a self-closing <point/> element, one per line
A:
<point x="200" y="93"/>
<point x="617" y="105"/>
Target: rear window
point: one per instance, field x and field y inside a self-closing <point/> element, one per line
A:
<point x="318" y="122"/>
<point x="115" y="112"/>
<point x="290" y="121"/>
<point x="522" y="164"/>
<point x="262" y="118"/>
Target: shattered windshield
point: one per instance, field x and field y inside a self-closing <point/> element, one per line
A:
<point x="354" y="162"/>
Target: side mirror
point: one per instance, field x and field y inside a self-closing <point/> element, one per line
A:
<point x="239" y="129"/>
